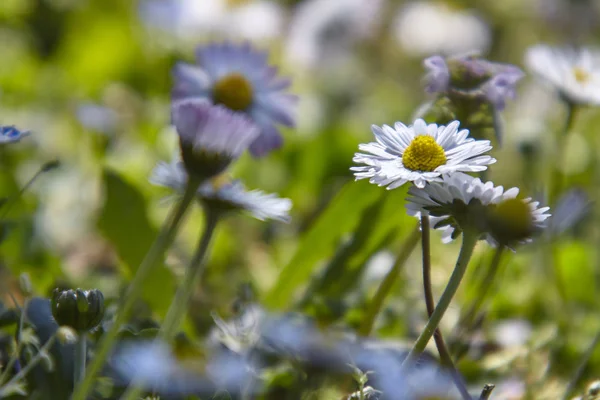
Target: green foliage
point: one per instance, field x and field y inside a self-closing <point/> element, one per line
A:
<point x="124" y="221"/>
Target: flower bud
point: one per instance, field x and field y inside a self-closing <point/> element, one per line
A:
<point x="78" y="309"/>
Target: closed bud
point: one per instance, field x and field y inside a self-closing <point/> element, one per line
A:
<point x="79" y="309"/>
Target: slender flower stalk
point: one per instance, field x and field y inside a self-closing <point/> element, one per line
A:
<point x="557" y="181"/>
<point x="388" y="282"/>
<point x="154" y="255"/>
<point x="80" y="357"/>
<point x="468" y="244"/>
<point x="179" y="305"/>
<point x="445" y="357"/>
<point x="30" y="365"/>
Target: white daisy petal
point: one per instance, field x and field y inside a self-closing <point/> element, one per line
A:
<point x="419" y="153"/>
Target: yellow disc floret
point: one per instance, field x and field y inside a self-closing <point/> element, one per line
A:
<point x="581" y="76"/>
<point x="423" y="154"/>
<point x="234" y="91"/>
<point x="511" y="221"/>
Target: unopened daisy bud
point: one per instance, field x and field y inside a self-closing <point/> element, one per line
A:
<point x="211" y="137"/>
<point x="66" y="335"/>
<point x="78" y="309"/>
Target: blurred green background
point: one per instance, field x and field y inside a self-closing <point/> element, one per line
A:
<point x="91" y="80"/>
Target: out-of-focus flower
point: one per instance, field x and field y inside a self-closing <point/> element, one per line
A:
<point x="153" y="366"/>
<point x="189" y="19"/>
<point x="573" y="73"/>
<point x="322" y="32"/>
<point x="211" y="137"/>
<point x="10" y="134"/>
<point x="419" y="153"/>
<point x="472" y="76"/>
<point x="79" y="309"/>
<point x="225" y="196"/>
<point x="97" y="118"/>
<point x="570" y="209"/>
<point x="239" y="78"/>
<point x="448" y="31"/>
<point x="461" y="202"/>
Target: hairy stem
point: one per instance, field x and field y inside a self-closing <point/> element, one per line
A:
<point x="466" y="250"/>
<point x="80" y="357"/>
<point x="445" y="357"/>
<point x="184" y="293"/>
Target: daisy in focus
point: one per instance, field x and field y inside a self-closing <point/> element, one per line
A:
<point x="574" y="73"/>
<point x="239" y="78"/>
<point x="419" y="153"/>
<point x="224" y="196"/>
<point x="462" y="202"/>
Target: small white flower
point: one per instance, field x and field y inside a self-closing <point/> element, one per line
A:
<point x="419" y="153"/>
<point x="461" y="200"/>
<point x="575" y="74"/>
<point x="227" y="196"/>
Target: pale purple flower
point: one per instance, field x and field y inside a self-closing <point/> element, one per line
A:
<point x="473" y="77"/>
<point x="239" y="77"/>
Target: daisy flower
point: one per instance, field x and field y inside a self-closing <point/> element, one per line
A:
<point x="239" y="78"/>
<point x="419" y="153"/>
<point x="211" y="137"/>
<point x="10" y="134"/>
<point x="225" y="196"/>
<point x="575" y="74"/>
<point x="462" y="202"/>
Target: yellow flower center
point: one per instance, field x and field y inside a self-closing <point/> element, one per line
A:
<point x="581" y="76"/>
<point x="423" y="154"/>
<point x="234" y="92"/>
<point x="511" y="220"/>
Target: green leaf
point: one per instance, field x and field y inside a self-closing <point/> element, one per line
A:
<point x="576" y="269"/>
<point x="124" y="222"/>
<point x="319" y="242"/>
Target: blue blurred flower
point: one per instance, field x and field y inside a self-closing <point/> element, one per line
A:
<point x="211" y="137"/>
<point x="10" y="134"/>
<point x="472" y="76"/>
<point x="238" y="77"/>
<point x="225" y="196"/>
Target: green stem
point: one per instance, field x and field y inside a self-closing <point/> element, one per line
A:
<point x="581" y="367"/>
<point x="466" y="250"/>
<point x="154" y="255"/>
<point x="445" y="357"/>
<point x="487" y="391"/>
<point x="184" y="293"/>
<point x="80" y="357"/>
<point x="557" y="177"/>
<point x="388" y="282"/>
<point x="32" y="363"/>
